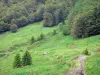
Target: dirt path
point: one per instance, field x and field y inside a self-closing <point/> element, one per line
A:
<point x="80" y="70"/>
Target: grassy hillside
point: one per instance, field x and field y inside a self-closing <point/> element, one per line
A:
<point x="63" y="46"/>
<point x="62" y="51"/>
<point x="23" y="35"/>
<point x="93" y="64"/>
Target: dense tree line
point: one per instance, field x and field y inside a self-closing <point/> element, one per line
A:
<point x="20" y="12"/>
<point x="85" y="23"/>
<point x="83" y="15"/>
<point x="23" y="12"/>
<point x="56" y="12"/>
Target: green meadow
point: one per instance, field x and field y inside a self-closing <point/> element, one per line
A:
<point x="65" y="47"/>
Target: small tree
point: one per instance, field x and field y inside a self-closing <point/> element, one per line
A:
<point x="65" y="30"/>
<point x="54" y="32"/>
<point x="26" y="60"/>
<point x="48" y="20"/>
<point x="22" y="21"/>
<point x="60" y="26"/>
<point x="32" y="40"/>
<point x="41" y="37"/>
<point x="86" y="52"/>
<point x="13" y="28"/>
<point x="17" y="61"/>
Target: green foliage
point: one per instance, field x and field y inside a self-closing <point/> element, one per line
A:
<point x="17" y="61"/>
<point x="48" y="20"/>
<point x="13" y="28"/>
<point x="92" y="64"/>
<point x="65" y="30"/>
<point x="32" y="40"/>
<point x="22" y="12"/>
<point x="60" y="26"/>
<point x="2" y="55"/>
<point x="86" y="52"/>
<point x="41" y="37"/>
<point x="19" y="12"/>
<point x="58" y="11"/>
<point x="84" y="22"/>
<point x="85" y="26"/>
<point x="3" y="27"/>
<point x="26" y="60"/>
<point x="22" y="21"/>
<point x="54" y="32"/>
<point x="65" y="47"/>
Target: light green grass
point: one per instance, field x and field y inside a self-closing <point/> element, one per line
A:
<point x="93" y="65"/>
<point x="64" y="46"/>
<point x="9" y="39"/>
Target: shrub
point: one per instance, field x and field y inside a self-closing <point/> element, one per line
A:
<point x="60" y="26"/>
<point x="3" y="27"/>
<point x="65" y="30"/>
<point x="86" y="52"/>
<point x="13" y="28"/>
<point x="54" y="32"/>
<point x="26" y="60"/>
<point x="17" y="61"/>
<point x="2" y="54"/>
<point x="41" y="37"/>
<point x="23" y="21"/>
<point x="32" y="40"/>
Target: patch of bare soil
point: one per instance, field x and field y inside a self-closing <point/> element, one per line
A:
<point x="80" y="70"/>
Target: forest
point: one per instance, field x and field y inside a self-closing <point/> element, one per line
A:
<point x="15" y="14"/>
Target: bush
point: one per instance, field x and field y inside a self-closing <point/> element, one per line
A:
<point x="41" y="37"/>
<point x="23" y="21"/>
<point x="65" y="30"/>
<point x="32" y="40"/>
<point x="13" y="28"/>
<point x="60" y="26"/>
<point x="54" y="32"/>
<point x="3" y="27"/>
<point x="26" y="60"/>
<point x="86" y="52"/>
<point x="17" y="61"/>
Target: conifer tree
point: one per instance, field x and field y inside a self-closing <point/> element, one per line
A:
<point x="17" y="61"/>
<point x="26" y="60"/>
<point x="41" y="36"/>
<point x="32" y="40"/>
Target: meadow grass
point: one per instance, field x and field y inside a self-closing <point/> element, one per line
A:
<point x="93" y="64"/>
<point x="56" y="45"/>
<point x="9" y="39"/>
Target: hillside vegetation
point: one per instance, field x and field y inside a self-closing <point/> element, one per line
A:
<point x="83" y="15"/>
<point x="23" y="12"/>
<point x="63" y="46"/>
<point x="84" y="18"/>
<point x="56" y="33"/>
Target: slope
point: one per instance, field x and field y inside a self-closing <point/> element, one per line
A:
<point x="62" y="50"/>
